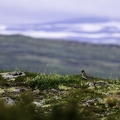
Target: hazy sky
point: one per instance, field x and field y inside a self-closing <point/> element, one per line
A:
<point x="37" y="11"/>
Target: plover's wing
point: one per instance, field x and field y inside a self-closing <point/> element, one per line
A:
<point x="86" y="75"/>
<point x="83" y="76"/>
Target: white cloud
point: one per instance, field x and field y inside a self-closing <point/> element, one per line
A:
<point x="99" y="26"/>
<point x="62" y="34"/>
<point x="90" y="27"/>
<point x="43" y="34"/>
<point x="7" y="32"/>
<point x="3" y="27"/>
<point x="98" y="35"/>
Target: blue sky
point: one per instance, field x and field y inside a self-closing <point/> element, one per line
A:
<point x="40" y="11"/>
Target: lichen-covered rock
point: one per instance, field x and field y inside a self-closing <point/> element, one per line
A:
<point x="38" y="104"/>
<point x="98" y="83"/>
<point x="7" y="101"/>
<point x="11" y="75"/>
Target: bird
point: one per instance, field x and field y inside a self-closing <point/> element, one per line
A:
<point x="84" y="75"/>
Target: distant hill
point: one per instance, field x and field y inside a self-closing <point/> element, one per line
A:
<point x="64" y="57"/>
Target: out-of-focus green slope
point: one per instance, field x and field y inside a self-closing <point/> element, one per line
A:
<point x="64" y="57"/>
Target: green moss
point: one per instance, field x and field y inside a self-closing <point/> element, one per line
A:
<point x="60" y="97"/>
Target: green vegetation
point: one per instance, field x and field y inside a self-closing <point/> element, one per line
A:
<point x="63" y="57"/>
<point x="59" y="97"/>
<point x="43" y="81"/>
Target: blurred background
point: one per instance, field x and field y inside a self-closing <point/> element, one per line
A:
<point x="63" y="36"/>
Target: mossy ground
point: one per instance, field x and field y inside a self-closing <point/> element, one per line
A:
<point x="60" y="97"/>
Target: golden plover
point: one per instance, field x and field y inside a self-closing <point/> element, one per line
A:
<point x="84" y="75"/>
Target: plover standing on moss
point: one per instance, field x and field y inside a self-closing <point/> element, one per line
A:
<point x="84" y="75"/>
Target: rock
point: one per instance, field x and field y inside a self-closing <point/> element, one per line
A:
<point x="91" y="101"/>
<point x="41" y="97"/>
<point x="39" y="104"/>
<point x="54" y="90"/>
<point x="98" y="99"/>
<point x="16" y="73"/>
<point x="91" y="84"/>
<point x="11" y="75"/>
<point x="7" y="76"/>
<point x="22" y="90"/>
<point x="19" y="90"/>
<point x="98" y="83"/>
<point x="101" y="83"/>
<point x="7" y="101"/>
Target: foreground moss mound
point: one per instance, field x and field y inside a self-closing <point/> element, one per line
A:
<point x="58" y="97"/>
